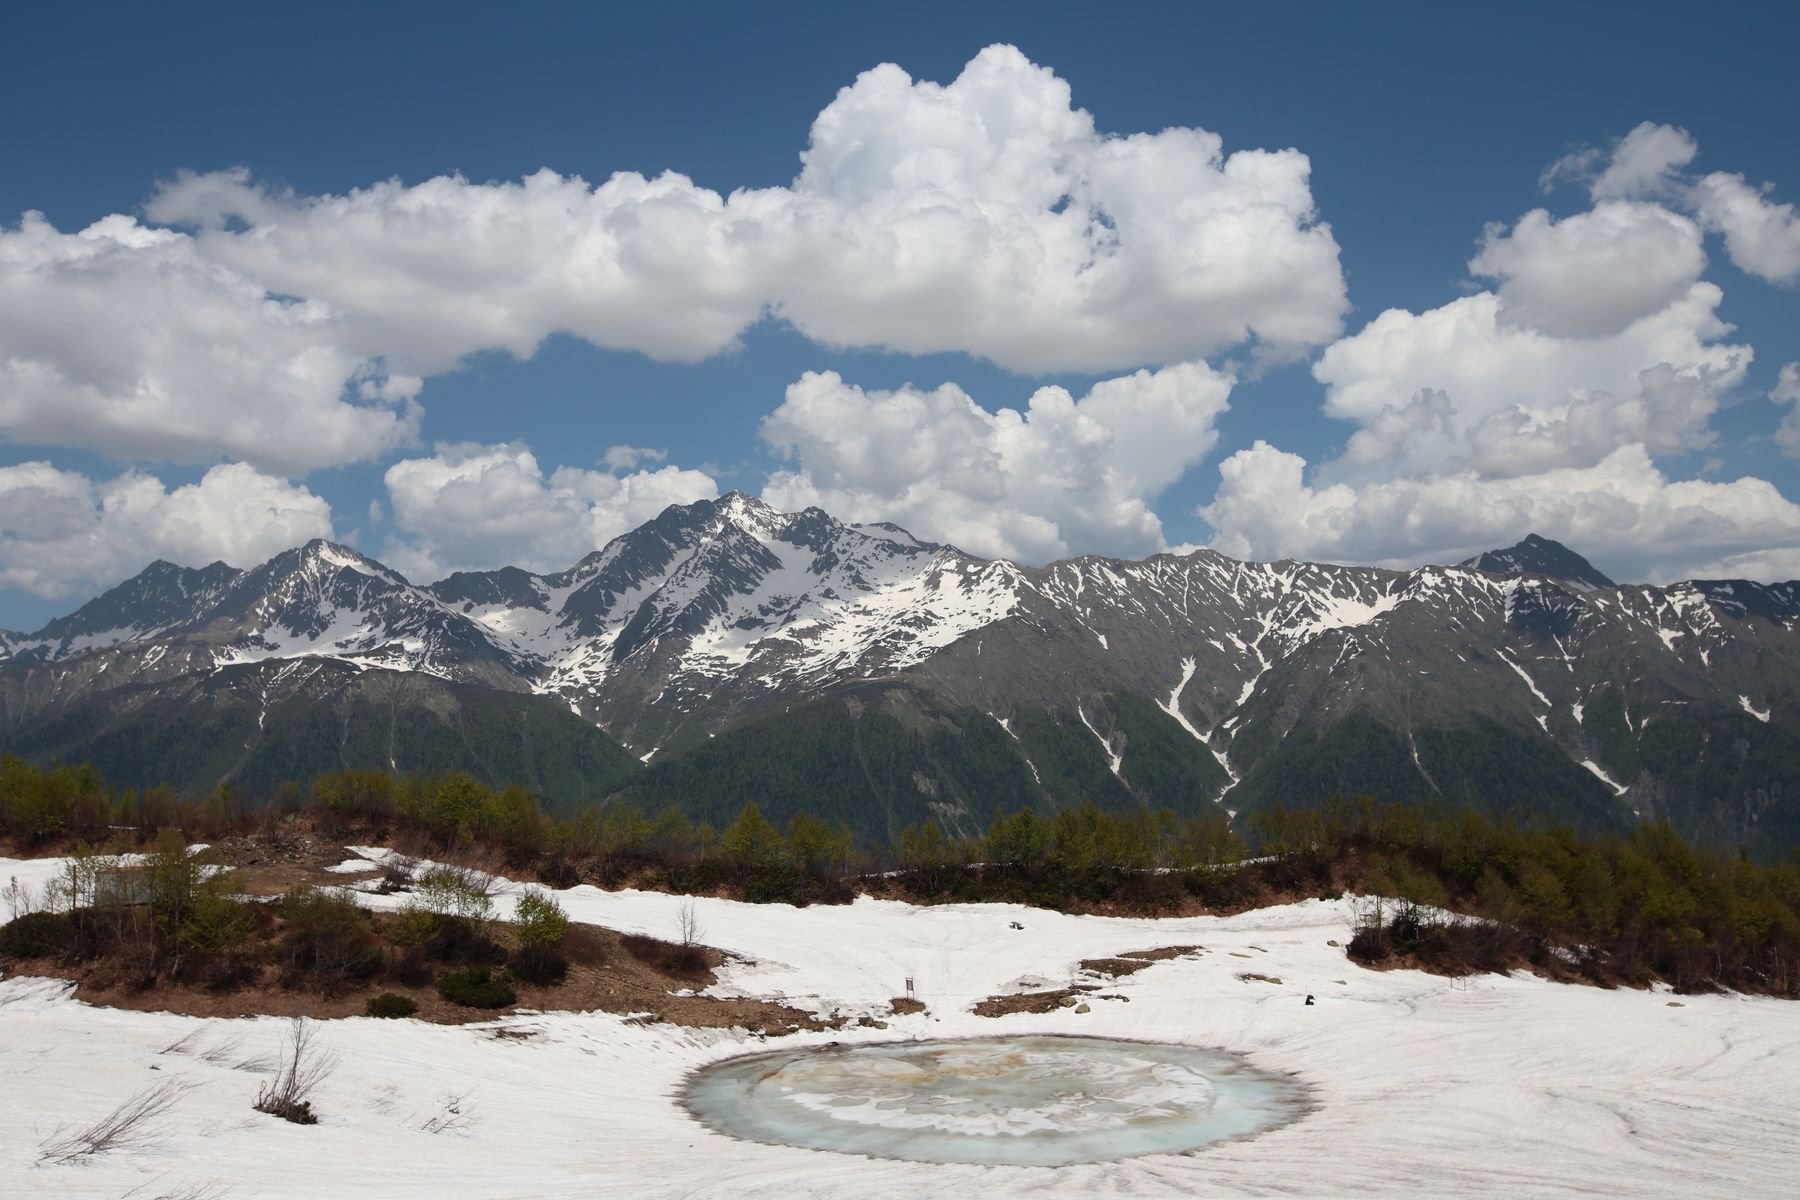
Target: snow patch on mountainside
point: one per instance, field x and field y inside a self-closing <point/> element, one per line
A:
<point x="1600" y="774"/>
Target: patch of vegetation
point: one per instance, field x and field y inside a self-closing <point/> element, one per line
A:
<point x="41" y="935"/>
<point x="391" y="1005"/>
<point x="1467" y="891"/>
<point x="681" y="962"/>
<point x="326" y="943"/>
<point x="476" y="987"/>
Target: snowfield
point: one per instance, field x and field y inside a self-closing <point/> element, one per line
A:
<point x="1424" y="1086"/>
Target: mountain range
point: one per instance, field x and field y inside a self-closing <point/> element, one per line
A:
<point x="726" y="651"/>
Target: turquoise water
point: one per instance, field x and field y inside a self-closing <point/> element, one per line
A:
<point x="1025" y="1101"/>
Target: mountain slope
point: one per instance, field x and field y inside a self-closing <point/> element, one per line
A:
<point x="903" y="680"/>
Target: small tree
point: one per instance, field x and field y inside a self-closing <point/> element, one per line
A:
<point x="817" y="847"/>
<point x="752" y="842"/>
<point x="539" y="920"/>
<point x="541" y="924"/>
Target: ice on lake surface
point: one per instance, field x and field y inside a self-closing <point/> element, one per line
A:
<point x="1024" y="1101"/>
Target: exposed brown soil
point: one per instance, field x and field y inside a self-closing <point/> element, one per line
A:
<point x="1257" y="977"/>
<point x="1029" y="1002"/>
<point x="276" y="863"/>
<point x="902" y="1005"/>
<point x="1113" y="968"/>
<point x="1162" y="953"/>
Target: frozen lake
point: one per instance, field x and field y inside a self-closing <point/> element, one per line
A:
<point x="1020" y="1101"/>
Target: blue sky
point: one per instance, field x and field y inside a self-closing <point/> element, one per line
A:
<point x="190" y="380"/>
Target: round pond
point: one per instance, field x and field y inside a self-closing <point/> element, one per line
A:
<point x="1026" y="1101"/>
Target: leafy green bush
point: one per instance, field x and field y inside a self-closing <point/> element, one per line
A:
<point x="457" y="892"/>
<point x="476" y="987"/>
<point x="539" y="920"/>
<point x="391" y="1004"/>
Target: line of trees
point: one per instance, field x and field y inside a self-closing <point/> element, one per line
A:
<point x="1614" y="907"/>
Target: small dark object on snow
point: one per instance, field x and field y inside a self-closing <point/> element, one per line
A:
<point x="1309" y="998"/>
<point x="1016" y="925"/>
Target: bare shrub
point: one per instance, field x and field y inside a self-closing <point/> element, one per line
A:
<point x="129" y="1126"/>
<point x="304" y="1066"/>
<point x="457" y="1115"/>
<point x="687" y="923"/>
<point x="398" y="873"/>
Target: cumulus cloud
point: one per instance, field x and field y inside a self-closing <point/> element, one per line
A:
<point x="626" y="458"/>
<point x="1542" y="404"/>
<point x="62" y="533"/>
<point x="1623" y="511"/>
<point x="1459" y="387"/>
<point x="475" y="507"/>
<point x="987" y="215"/>
<point x="1645" y="162"/>
<point x="1064" y="476"/>
<point x="1592" y="274"/>
<point x="1787" y="391"/>
<point x="1762" y="238"/>
<point x="129" y="341"/>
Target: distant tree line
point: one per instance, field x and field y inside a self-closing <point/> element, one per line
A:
<point x="1462" y="889"/>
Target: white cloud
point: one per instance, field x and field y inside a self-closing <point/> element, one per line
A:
<point x="1062" y="477"/>
<point x="1541" y="404"/>
<point x="475" y="507"/>
<point x="1622" y="511"/>
<point x="1787" y="391"/>
<point x="62" y="533"/>
<point x="127" y="340"/>
<point x="1761" y="237"/>
<point x="1646" y="162"/>
<point x="987" y="215"/>
<point x="1593" y="274"/>
<point x="1458" y="387"/>
<point x="1650" y="162"/>
<point x="626" y="458"/>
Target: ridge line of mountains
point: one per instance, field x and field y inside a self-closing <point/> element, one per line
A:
<point x="726" y="652"/>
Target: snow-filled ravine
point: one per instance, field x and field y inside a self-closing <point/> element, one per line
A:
<point x="1419" y="1085"/>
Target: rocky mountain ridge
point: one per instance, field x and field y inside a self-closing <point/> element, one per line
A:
<point x="1255" y="682"/>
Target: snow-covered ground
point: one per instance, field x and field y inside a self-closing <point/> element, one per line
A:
<point x="1424" y="1086"/>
